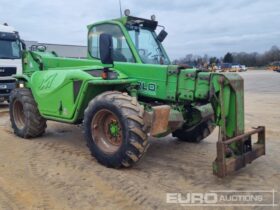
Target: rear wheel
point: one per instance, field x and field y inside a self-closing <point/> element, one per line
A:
<point x="114" y="129"/>
<point x="196" y="133"/>
<point x="24" y="115"/>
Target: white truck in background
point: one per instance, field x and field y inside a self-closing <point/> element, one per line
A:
<point x="10" y="60"/>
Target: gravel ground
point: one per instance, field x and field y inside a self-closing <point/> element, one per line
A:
<point x="56" y="171"/>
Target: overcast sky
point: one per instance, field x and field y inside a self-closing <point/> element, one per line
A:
<point x="194" y="26"/>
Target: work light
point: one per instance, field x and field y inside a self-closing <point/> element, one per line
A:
<point x="127" y="12"/>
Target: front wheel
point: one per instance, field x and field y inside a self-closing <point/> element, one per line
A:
<point x="114" y="129"/>
<point x="25" y="117"/>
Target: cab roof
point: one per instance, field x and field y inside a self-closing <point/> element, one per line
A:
<point x="132" y="21"/>
<point x="7" y="29"/>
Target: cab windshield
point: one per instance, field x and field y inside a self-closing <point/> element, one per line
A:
<point x="9" y="49"/>
<point x="149" y="48"/>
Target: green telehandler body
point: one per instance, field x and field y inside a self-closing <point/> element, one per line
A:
<point x="126" y="90"/>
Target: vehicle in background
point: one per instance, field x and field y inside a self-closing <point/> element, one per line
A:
<point x="243" y="68"/>
<point x="274" y="66"/>
<point x="212" y="67"/>
<point x="229" y="67"/>
<point x="235" y="68"/>
<point x="225" y="67"/>
<point x="10" y="60"/>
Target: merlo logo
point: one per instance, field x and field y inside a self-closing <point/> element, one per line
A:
<point x="47" y="82"/>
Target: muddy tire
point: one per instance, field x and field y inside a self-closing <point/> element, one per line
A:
<point x="115" y="130"/>
<point x="24" y="115"/>
<point x="196" y="134"/>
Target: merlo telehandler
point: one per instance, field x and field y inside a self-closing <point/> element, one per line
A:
<point x="126" y="90"/>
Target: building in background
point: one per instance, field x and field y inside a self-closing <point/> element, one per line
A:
<point x="69" y="51"/>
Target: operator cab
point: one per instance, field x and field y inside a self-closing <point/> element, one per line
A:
<point x="121" y="50"/>
<point x="145" y="40"/>
<point x="135" y="37"/>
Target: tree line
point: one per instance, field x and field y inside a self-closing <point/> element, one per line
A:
<point x="249" y="59"/>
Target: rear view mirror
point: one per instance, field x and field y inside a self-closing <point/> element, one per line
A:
<point x="162" y="35"/>
<point x="23" y="45"/>
<point x="106" y="48"/>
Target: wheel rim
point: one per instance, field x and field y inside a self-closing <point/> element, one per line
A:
<point x="18" y="114"/>
<point x="106" y="131"/>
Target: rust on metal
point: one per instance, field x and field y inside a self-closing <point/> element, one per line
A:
<point x="163" y="120"/>
<point x="108" y="141"/>
<point x="160" y="120"/>
<point x="224" y="165"/>
<point x="175" y="121"/>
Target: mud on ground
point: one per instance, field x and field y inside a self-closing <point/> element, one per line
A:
<point x="56" y="171"/>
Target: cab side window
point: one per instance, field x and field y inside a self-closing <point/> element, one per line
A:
<point x="121" y="50"/>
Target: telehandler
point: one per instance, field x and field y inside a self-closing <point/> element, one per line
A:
<point x="126" y="90"/>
